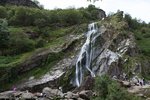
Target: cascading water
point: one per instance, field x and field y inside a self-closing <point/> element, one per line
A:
<point x="84" y="60"/>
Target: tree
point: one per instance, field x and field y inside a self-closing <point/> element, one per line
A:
<point x="4" y="34"/>
<point x="3" y="12"/>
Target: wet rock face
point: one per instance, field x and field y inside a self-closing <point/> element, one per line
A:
<point x="106" y="48"/>
<point x="28" y="3"/>
<point x="54" y="76"/>
<point x="113" y="48"/>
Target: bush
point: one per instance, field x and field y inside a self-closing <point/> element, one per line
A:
<point x="3" y="12"/>
<point x="108" y="89"/>
<point x="93" y="11"/>
<point x="4" y="34"/>
<point x="20" y="43"/>
<point x="133" y="23"/>
<point x="70" y="17"/>
<point x="24" y="16"/>
<point x="40" y="22"/>
<point x="40" y="43"/>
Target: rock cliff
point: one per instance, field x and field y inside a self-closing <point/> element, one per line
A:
<point x="113" y="49"/>
<point x="107" y="48"/>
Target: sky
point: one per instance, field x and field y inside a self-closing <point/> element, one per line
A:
<point x="136" y="8"/>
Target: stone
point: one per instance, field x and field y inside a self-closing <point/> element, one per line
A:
<point x="85" y="94"/>
<point x="87" y="84"/>
<point x="101" y="14"/>
<point x="81" y="99"/>
<point x="27" y="95"/>
<point x="7" y="94"/>
<point x="38" y="94"/>
<point x="71" y="95"/>
<point x="68" y="95"/>
<point x="125" y="84"/>
<point x="47" y="91"/>
<point x="51" y="93"/>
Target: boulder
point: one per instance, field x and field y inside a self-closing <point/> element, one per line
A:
<point x="71" y="95"/>
<point x="125" y="84"/>
<point x="52" y="93"/>
<point x="6" y="95"/>
<point x="85" y="94"/>
<point x="27" y="95"/>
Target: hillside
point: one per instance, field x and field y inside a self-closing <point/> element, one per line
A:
<point x="66" y="53"/>
<point x="27" y="3"/>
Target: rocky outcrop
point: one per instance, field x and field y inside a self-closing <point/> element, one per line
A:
<point x="101" y="14"/>
<point x="112" y="48"/>
<point x="27" y="3"/>
<point x="39" y="58"/>
<point x="47" y="93"/>
<point x="114" y="53"/>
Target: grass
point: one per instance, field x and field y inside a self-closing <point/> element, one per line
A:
<point x="13" y="61"/>
<point x="143" y="42"/>
<point x="15" y="29"/>
<point x="59" y="32"/>
<point x="144" y="46"/>
<point x="37" y="72"/>
<point x="8" y="59"/>
<point x="58" y="38"/>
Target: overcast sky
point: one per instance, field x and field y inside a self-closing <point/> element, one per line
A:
<point x="136" y="8"/>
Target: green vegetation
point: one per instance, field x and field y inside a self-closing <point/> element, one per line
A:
<point x="30" y="32"/>
<point x="142" y="33"/>
<point x="24" y="16"/>
<point x="4" y="35"/>
<point x="32" y="28"/>
<point x="8" y="59"/>
<point x="25" y="32"/>
<point x="108" y="89"/>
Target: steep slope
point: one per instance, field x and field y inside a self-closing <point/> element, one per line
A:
<point x="114" y="52"/>
<point x="108" y="47"/>
<point x="40" y="40"/>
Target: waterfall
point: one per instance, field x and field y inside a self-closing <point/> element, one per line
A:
<point x="84" y="60"/>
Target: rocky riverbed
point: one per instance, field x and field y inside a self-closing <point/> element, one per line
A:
<point x="47" y="94"/>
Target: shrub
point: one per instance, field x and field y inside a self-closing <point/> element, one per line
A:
<point x="133" y="23"/>
<point x="40" y="43"/>
<point x="4" y="34"/>
<point x="3" y="12"/>
<point x="108" y="89"/>
<point x="54" y="16"/>
<point x="24" y="16"/>
<point x="101" y="86"/>
<point x="40" y="22"/>
<point x="20" y="43"/>
<point x="70" y="17"/>
<point x="93" y="11"/>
